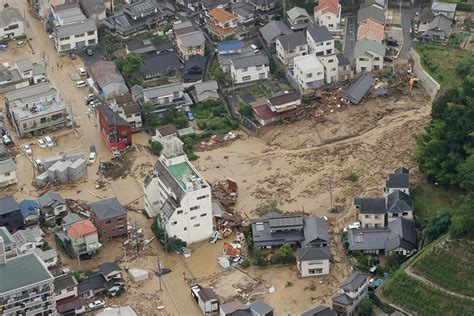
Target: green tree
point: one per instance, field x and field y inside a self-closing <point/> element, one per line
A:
<point x="284" y="255"/>
<point x="462" y="221"/>
<point x="365" y="308"/>
<point x="130" y="68"/>
<point x="156" y="148"/>
<point x="150" y="119"/>
<point x="269" y="207"/>
<point x="245" y="263"/>
<point x="438" y="224"/>
<point x="246" y="110"/>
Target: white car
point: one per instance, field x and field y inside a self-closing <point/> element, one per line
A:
<point x="82" y="72"/>
<point x="92" y="157"/>
<point x="185" y="252"/>
<point x="41" y="143"/>
<point x="49" y="142"/>
<point x="96" y="304"/>
<point x="355" y="225"/>
<point x="27" y="149"/>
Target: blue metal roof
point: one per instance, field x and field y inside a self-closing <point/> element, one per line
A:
<point x="28" y="207"/>
<point x="230" y="45"/>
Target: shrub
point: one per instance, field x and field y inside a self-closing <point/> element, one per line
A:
<point x="284" y="255"/>
<point x="245" y="263"/>
<point x="288" y="284"/>
<point x="259" y="258"/>
<point x="156" y="148"/>
<point x="171" y="244"/>
<point x="354" y="177"/>
<point x="365" y="308"/>
<point x="265" y="208"/>
<point x="438" y="224"/>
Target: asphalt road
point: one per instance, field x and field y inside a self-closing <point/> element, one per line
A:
<point x="407" y="17"/>
<point x="350" y="38"/>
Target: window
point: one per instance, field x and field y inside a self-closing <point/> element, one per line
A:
<point x="376" y="67"/>
<point x="121" y="227"/>
<point x="202" y="197"/>
<point x="176" y="95"/>
<point x="174" y="223"/>
<point x="328" y="43"/>
<point x="376" y="58"/>
<point x="197" y="225"/>
<point x="91" y="42"/>
<point x="203" y="214"/>
<point x="71" y="289"/>
<point x="328" y="51"/>
<point x="302" y="48"/>
<point x="185" y="228"/>
<point x="108" y="221"/>
<point x="319" y="73"/>
<point x="405" y="214"/>
<point x="310" y="75"/>
<point x="179" y="212"/>
<point x="246" y="78"/>
<point x="376" y="216"/>
<point x="245" y="69"/>
<point x="64" y="38"/>
<point x="262" y="75"/>
<point x="120" y="219"/>
<point x="193" y="217"/>
<point x="42" y="120"/>
<point x="12" y="27"/>
<point x="192" y="208"/>
<point x="91" y="33"/>
<point x="395" y="214"/>
<point x="312" y="263"/>
<point x="367" y="216"/>
<point x="315" y="271"/>
<point x="377" y="225"/>
<point x="79" y="35"/>
<point x="259" y="67"/>
<point x="124" y="132"/>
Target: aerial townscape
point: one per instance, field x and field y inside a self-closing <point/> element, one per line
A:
<point x="237" y="157"/>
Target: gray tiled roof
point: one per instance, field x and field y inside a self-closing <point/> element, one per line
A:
<point x="160" y="91"/>
<point x="442" y="23"/>
<point x="272" y="30"/>
<point x="108" y="267"/>
<point x="342" y="298"/>
<point x="108" y="208"/>
<point x="406" y="231"/>
<point x="291" y="41"/>
<point x="319" y="311"/>
<point x="315" y="229"/>
<point x="373" y="12"/>
<point x="398" y="180"/>
<point x="342" y="60"/>
<point x="354" y="281"/>
<point x="296" y="12"/>
<point x="367" y="239"/>
<point x="371" y="205"/>
<point x="261" y="308"/>
<point x="8" y="204"/>
<point x="76" y="28"/>
<point x="250" y="61"/>
<point x="191" y="39"/>
<point x="320" y="34"/>
<point x="359" y="89"/>
<point x="399" y="201"/>
<point x="444" y="6"/>
<point x="316" y="253"/>
<point x="9" y="15"/>
<point x="7" y="165"/>
<point x="64" y="281"/>
<point x="157" y="65"/>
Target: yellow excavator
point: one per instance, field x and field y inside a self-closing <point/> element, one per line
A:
<point x="412" y="80"/>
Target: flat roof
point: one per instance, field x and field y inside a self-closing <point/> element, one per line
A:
<point x="22" y="271"/>
<point x="180" y="172"/>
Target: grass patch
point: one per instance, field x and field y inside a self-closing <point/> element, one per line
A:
<point x="338" y="45"/>
<point x="415" y="296"/>
<point x="429" y="200"/>
<point x="440" y="62"/>
<point x="449" y="266"/>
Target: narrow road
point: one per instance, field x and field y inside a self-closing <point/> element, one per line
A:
<point x="406" y="21"/>
<point x="350" y="37"/>
<point x="434" y="285"/>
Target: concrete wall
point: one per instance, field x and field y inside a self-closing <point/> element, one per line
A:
<point x="428" y="82"/>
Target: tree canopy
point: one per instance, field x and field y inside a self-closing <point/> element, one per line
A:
<point x="130" y="68"/>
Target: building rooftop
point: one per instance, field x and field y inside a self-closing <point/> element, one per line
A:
<point x="105" y="72"/>
<point x="291" y="41"/>
<point x="370" y="205"/>
<point x="9" y="15"/>
<point x="316" y="253"/>
<point x="22" y="271"/>
<point x="163" y="64"/>
<point x="108" y="267"/>
<point x="250" y="61"/>
<point x="272" y="30"/>
<point x="354" y="281"/>
<point x="23" y="236"/>
<point x="8" y="204"/>
<point x="444" y="6"/>
<point x="39" y="109"/>
<point x="31" y="93"/>
<point x="7" y="237"/>
<point x="229" y="46"/>
<point x="373" y="12"/>
<point x="64" y="281"/>
<point x="51" y="199"/>
<point x="296" y="12"/>
<point x="7" y="165"/>
<point x="324" y="6"/>
<point x="342" y="60"/>
<point x="398" y="181"/>
<point x="192" y="39"/>
<point x="307" y="62"/>
<point x="118" y="311"/>
<point x="164" y="90"/>
<point x="107" y="208"/>
<point x="319" y="311"/>
<point x="181" y="172"/>
<point x="320" y="34"/>
<point x="28" y="207"/>
<point x="112" y="118"/>
<point x="81" y="229"/>
<point x="357" y="91"/>
<point x="24" y="65"/>
<point x="221" y="15"/>
<point x="76" y="28"/>
<point x="399" y="201"/>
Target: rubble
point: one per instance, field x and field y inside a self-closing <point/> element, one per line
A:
<point x="225" y="191"/>
<point x="216" y="141"/>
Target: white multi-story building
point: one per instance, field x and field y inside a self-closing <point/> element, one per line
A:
<point x="178" y="195"/>
<point x="290" y="46"/>
<point x="11" y="23"/>
<point x="368" y="55"/>
<point x="250" y="68"/>
<point x="76" y="36"/>
<point x="331" y="68"/>
<point x="320" y="41"/>
<point x="308" y="72"/>
<point x="328" y="13"/>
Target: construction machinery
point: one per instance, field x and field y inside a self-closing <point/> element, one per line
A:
<point x="412" y="82"/>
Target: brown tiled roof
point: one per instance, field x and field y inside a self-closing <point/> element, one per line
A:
<point x="259" y="102"/>
<point x="284" y="98"/>
<point x="124" y="98"/>
<point x="104" y="72"/>
<point x="207" y="294"/>
<point x="264" y="112"/>
<point x="327" y="6"/>
<point x="221" y="15"/>
<point x="167" y="130"/>
<point x="69" y="304"/>
<point x="131" y="109"/>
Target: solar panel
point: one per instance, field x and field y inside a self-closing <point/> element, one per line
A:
<point x="259" y="227"/>
<point x="286" y="221"/>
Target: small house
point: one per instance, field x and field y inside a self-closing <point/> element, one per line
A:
<point x="115" y="131"/>
<point x="206" y="299"/>
<point x="109" y="217"/>
<point x="290" y="46"/>
<point x="312" y="261"/>
<point x="28" y="239"/>
<point x="272" y="30"/>
<point x="222" y="24"/>
<point x="320" y="41"/>
<point x="308" y="72"/>
<point x="444" y="8"/>
<point x="30" y="210"/>
<point x="298" y="18"/>
<point x="206" y="91"/>
<point x="251" y="68"/>
<point x="328" y="13"/>
<point x="83" y="237"/>
<point x="10" y="214"/>
<point x="319" y="311"/>
<point x="106" y="80"/>
<point x="353" y="290"/>
<point x="191" y="44"/>
<point x="368" y="55"/>
<point x="399" y="204"/>
<point x="398" y="180"/>
<point x="371" y="212"/>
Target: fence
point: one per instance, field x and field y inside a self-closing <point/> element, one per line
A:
<point x="428" y="82"/>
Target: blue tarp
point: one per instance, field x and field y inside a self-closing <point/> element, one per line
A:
<point x="28" y="207"/>
<point x="229" y="45"/>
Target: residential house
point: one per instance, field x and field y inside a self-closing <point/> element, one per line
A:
<point x="108" y="280"/>
<point x="290" y="46"/>
<point x="370" y="212"/>
<point x="320" y="41"/>
<point x="222" y="23"/>
<point x="12" y="23"/>
<point x="26" y="287"/>
<point x="209" y="5"/>
<point x="115" y="130"/>
<point x="94" y="9"/>
<point x="262" y="112"/>
<point x="225" y="57"/>
<point x="308" y="72"/>
<point x="313" y="261"/>
<point x="128" y="109"/>
<point x="35" y="109"/>
<point x="118" y="311"/>
<point x="193" y="71"/>
<point x="264" y="9"/>
<point x="267" y="111"/>
<point x="399" y="180"/>
<point x="250" y="68"/>
<point x="191" y="44"/>
<point x="368" y="55"/>
<point x="271" y="31"/>
<point x="182" y="28"/>
<point x="245" y="13"/>
<point x="371" y="30"/>
<point x="66" y="295"/>
<point x="206" y="298"/>
<point x="66" y="13"/>
<point x="373" y="12"/>
<point x="165" y="132"/>
<point x="136" y="17"/>
<point x="9" y="244"/>
<point x="236" y="308"/>
<point x="7" y="168"/>
<point x="284" y="102"/>
<point x="83" y="237"/>
<point x="110" y="218"/>
<point x="206" y="91"/>
<point x="229" y="47"/>
<point x="298" y="18"/>
<point x="383" y="4"/>
<point x="52" y="208"/>
<point x="353" y="290"/>
<point x="49" y="257"/>
<point x="319" y="311"/>
<point x="399" y="204"/>
<point x="28" y="239"/>
<point x="164" y="97"/>
<point x="358" y="90"/>
<point x="33" y="71"/>
<point x="344" y="70"/>
<point x="328" y="13"/>
<point x="399" y="236"/>
<point x="437" y="31"/>
<point x="166" y="64"/>
<point x="444" y="8"/>
<point x="10" y="215"/>
<point x="73" y="30"/>
<point x="10" y="79"/>
<point x="178" y="195"/>
<point x="331" y="68"/>
<point x="70" y="219"/>
<point x="145" y="47"/>
<point x="106" y="80"/>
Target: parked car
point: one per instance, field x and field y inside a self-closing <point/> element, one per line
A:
<point x="92" y="157"/>
<point x="20" y="44"/>
<point x="41" y="143"/>
<point x="92" y="149"/>
<point x="81" y="84"/>
<point x="392" y="42"/>
<point x="190" y="116"/>
<point x="72" y="55"/>
<point x="38" y="164"/>
<point x="51" y="35"/>
<point x="7" y="140"/>
<point x="388" y="59"/>
<point x="27" y="149"/>
<point x="90" y="52"/>
<point x="91" y="97"/>
<point x="355" y="225"/>
<point x="185" y="252"/>
<point x="163" y="271"/>
<point x="3" y="46"/>
<point x="96" y="304"/>
<point x="82" y="71"/>
<point x="49" y="142"/>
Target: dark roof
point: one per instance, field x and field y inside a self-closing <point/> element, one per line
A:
<point x="354" y="281"/>
<point x="64" y="281"/>
<point x="109" y="267"/>
<point x="406" y="231"/>
<point x="28" y="207"/>
<point x="399" y="201"/>
<point x="320" y="34"/>
<point x="262" y="230"/>
<point x="168" y="46"/>
<point x="284" y="98"/>
<point x="131" y="109"/>
<point x="315" y="229"/>
<point x="69" y="304"/>
<point x="261" y="308"/>
<point x="314" y="253"/>
<point x="319" y="311"/>
<point x="51" y="198"/>
<point x="108" y="208"/>
<point x="194" y="69"/>
<point x="272" y="30"/>
<point x="373" y="12"/>
<point x="426" y="15"/>
<point x="8" y="204"/>
<point x="93" y="7"/>
<point x="93" y="282"/>
<point x="398" y="180"/>
<point x="441" y="23"/>
<point x="112" y="118"/>
<point x="402" y="170"/>
<point x="250" y="61"/>
<point x="342" y="60"/>
<point x="368" y="239"/>
<point x="167" y="129"/>
<point x="342" y="298"/>
<point x="370" y="205"/>
<point x="123" y="98"/>
<point x="359" y="89"/>
<point x="138" y="44"/>
<point x="291" y="41"/>
<point x="207" y="294"/>
<point x="162" y="64"/>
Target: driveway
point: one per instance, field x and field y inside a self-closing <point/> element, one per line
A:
<point x="350" y="36"/>
<point x="407" y="17"/>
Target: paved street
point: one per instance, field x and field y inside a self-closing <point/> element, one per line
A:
<point x="407" y="17"/>
<point x="350" y="37"/>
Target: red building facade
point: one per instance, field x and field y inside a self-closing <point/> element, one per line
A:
<point x="115" y="131"/>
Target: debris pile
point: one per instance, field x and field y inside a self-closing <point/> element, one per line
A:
<point x="225" y="191"/>
<point x="217" y="141"/>
<point x="79" y="207"/>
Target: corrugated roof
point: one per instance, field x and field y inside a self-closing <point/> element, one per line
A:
<point x="359" y="89"/>
<point x="250" y="61"/>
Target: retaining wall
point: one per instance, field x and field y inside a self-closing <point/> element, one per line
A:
<point x="428" y="82"/>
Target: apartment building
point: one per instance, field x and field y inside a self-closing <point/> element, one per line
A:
<point x="290" y="46"/>
<point x="26" y="287"/>
<point x="368" y="55"/>
<point x="35" y="109"/>
<point x="178" y="195"/>
<point x="12" y="23"/>
<point x="320" y="41"/>
<point x="331" y="70"/>
<point x="308" y="72"/>
<point x="328" y="13"/>
<point x="250" y="68"/>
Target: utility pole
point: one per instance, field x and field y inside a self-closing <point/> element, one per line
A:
<point x="159" y="272"/>
<point x="331" y="194"/>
